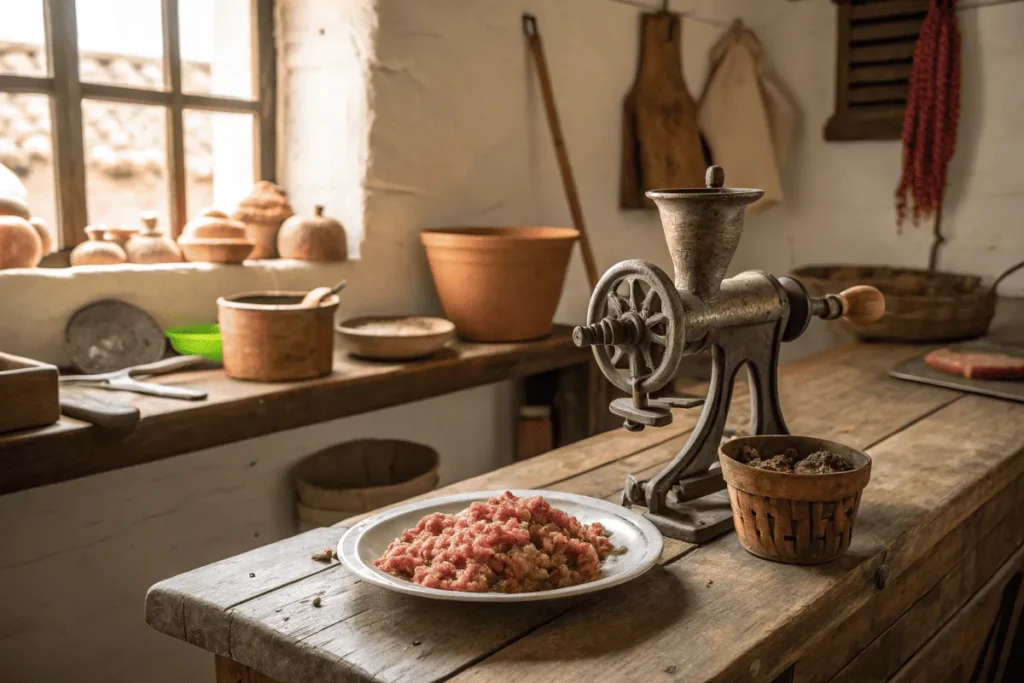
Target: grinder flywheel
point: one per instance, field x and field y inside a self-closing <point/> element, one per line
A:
<point x="640" y="324"/>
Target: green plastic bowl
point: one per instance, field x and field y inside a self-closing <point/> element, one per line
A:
<point x="197" y="340"/>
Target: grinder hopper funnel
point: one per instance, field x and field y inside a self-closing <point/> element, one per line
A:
<point x="702" y="228"/>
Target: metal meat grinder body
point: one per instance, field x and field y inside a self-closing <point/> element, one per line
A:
<point x="643" y="322"/>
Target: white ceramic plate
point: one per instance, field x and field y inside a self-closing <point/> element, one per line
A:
<point x="367" y="541"/>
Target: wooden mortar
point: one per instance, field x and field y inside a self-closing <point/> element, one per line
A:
<point x="269" y="337"/>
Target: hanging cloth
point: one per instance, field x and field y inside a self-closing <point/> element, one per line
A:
<point x="932" y="114"/>
<point x="747" y="115"/>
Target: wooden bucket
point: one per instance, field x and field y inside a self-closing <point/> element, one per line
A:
<point x="793" y="518"/>
<point x="358" y="476"/>
<point x="270" y="337"/>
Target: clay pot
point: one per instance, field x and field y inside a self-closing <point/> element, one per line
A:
<point x="499" y="284"/>
<point x="11" y="205"/>
<point x="151" y="245"/>
<point x="316" y="238"/>
<point x="270" y="337"/>
<point x="215" y="238"/>
<point x="20" y="246"/>
<point x="97" y="251"/>
<point x="263" y="212"/>
<point x="119" y="236"/>
<point x="45" y="236"/>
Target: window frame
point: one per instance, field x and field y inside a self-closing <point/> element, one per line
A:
<point x="66" y="92"/>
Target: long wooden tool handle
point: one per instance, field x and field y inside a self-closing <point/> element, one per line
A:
<point x="537" y="48"/>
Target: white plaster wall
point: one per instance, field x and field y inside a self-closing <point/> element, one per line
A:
<point x="403" y="115"/>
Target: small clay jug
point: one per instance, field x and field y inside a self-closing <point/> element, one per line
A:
<point x="45" y="236"/>
<point x="263" y="212"/>
<point x="20" y="246"/>
<point x="316" y="238"/>
<point x="151" y="245"/>
<point x="97" y="251"/>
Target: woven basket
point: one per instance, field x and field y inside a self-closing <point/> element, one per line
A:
<point x="920" y="305"/>
<point x="793" y="518"/>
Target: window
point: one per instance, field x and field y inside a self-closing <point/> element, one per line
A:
<point x="875" y="42"/>
<point x="112" y="107"/>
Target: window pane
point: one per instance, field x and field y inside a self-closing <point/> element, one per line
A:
<point x="120" y="42"/>
<point x="26" y="147"/>
<point x="216" y="47"/>
<point x="126" y="162"/>
<point x="22" y="38"/>
<point x="218" y="159"/>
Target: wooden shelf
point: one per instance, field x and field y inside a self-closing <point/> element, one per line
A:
<point x="237" y="410"/>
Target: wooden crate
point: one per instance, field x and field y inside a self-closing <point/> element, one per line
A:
<point x="29" y="396"/>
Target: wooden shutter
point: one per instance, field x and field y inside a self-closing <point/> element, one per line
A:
<point x="874" y="52"/>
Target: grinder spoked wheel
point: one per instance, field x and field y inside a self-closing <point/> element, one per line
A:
<point x="635" y="326"/>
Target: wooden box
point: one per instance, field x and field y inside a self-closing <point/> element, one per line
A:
<point x="29" y="396"/>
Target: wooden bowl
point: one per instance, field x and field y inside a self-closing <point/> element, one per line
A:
<point x="215" y="250"/>
<point x="363" y="475"/>
<point x="395" y="338"/>
<point x="270" y="337"/>
<point x="793" y="518"/>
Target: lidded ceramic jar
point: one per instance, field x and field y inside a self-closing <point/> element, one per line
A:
<point x="45" y="236"/>
<point x="214" y="238"/>
<point x="97" y="251"/>
<point x="314" y="238"/>
<point x="263" y="212"/>
<point x="20" y="245"/>
<point x="151" y="245"/>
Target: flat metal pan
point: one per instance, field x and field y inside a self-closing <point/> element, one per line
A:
<point x="916" y="370"/>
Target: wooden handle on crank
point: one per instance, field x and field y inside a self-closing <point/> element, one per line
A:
<point x="862" y="304"/>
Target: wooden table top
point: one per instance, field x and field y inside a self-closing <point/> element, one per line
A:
<point x="237" y="410"/>
<point x="946" y="466"/>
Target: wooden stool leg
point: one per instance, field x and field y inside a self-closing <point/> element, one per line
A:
<point x="230" y="671"/>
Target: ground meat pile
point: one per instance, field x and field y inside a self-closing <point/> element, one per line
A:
<point x="790" y="462"/>
<point x="507" y="545"/>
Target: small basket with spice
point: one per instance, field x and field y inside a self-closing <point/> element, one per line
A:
<point x="794" y="498"/>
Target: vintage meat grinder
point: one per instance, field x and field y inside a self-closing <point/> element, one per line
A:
<point x="642" y="323"/>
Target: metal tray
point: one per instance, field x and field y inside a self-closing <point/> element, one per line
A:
<point x="367" y="540"/>
<point x="916" y="370"/>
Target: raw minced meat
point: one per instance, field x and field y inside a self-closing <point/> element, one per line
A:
<point x="506" y="545"/>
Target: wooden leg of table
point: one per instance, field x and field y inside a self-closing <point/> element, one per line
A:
<point x="229" y="671"/>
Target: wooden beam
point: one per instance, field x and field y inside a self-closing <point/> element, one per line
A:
<point x="16" y="83"/>
<point x="66" y="114"/>
<point x="265" y="88"/>
<point x="165" y="98"/>
<point x="175" y="125"/>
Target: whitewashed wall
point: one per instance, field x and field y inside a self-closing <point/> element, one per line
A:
<point x="432" y="108"/>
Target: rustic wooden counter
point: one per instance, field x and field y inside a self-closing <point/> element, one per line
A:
<point x="237" y="410"/>
<point x="929" y="590"/>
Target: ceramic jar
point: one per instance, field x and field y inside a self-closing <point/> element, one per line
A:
<point x="97" y="251"/>
<point x="215" y="238"/>
<point x="20" y="245"/>
<point x="315" y="238"/>
<point x="263" y="212"/>
<point x="151" y="245"/>
<point x="45" y="236"/>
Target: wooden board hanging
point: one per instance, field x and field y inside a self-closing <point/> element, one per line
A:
<point x="661" y="145"/>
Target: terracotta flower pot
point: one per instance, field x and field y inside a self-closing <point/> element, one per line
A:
<point x="499" y="284"/>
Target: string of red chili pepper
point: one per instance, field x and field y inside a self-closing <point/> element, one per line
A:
<point x="932" y="113"/>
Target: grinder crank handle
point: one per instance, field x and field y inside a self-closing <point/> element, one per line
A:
<point x="857" y="305"/>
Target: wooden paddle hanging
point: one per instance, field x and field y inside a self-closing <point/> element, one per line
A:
<point x="661" y="143"/>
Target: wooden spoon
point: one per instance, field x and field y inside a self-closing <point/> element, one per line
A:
<point x="315" y="296"/>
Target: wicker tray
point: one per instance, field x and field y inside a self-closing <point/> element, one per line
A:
<point x="920" y="305"/>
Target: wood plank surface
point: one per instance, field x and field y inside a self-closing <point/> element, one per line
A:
<point x="752" y="622"/>
<point x="237" y="410"/>
<point x="743" y="610"/>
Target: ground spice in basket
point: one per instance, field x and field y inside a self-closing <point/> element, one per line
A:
<point x="790" y="462"/>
